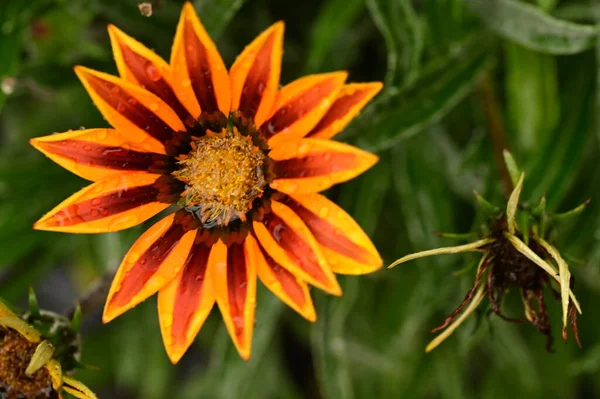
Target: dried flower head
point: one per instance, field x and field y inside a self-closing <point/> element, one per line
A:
<point x="516" y="254"/>
<point x="37" y="351"/>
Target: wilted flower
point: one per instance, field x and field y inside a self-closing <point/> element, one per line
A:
<point x="37" y="351"/>
<point x="242" y="159"/>
<point x="515" y="254"/>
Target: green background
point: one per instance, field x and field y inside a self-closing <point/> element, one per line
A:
<point x="448" y="65"/>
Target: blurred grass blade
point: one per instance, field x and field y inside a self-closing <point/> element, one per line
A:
<point x="531" y="27"/>
<point x="335" y="17"/>
<point x="532" y="94"/>
<point x="435" y="93"/>
<point x="404" y="38"/>
<point x="216" y="14"/>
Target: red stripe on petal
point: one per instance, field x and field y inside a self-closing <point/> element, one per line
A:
<point x="237" y="285"/>
<point x="296" y="248"/>
<point x="130" y="108"/>
<point x="299" y="106"/>
<point x="257" y="79"/>
<point x="328" y="235"/>
<point x="149" y="262"/>
<point x="189" y="291"/>
<point x="340" y="108"/>
<point x="315" y="165"/>
<point x="288" y="281"/>
<point x="199" y="71"/>
<point x="165" y="189"/>
<point x="148" y="76"/>
<point x="95" y="155"/>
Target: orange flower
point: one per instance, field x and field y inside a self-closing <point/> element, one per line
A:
<point x="243" y="161"/>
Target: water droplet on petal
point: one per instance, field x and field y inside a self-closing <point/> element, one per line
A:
<point x="323" y="212"/>
<point x="96" y="201"/>
<point x="186" y="83"/>
<point x="120" y="107"/>
<point x="152" y="73"/>
<point x="115" y="90"/>
<point x="154" y="106"/>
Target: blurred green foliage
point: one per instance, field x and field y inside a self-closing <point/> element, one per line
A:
<point x="432" y="128"/>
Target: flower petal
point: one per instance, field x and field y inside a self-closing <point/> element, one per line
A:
<point x="112" y="204"/>
<point x="255" y="75"/>
<point x="285" y="237"/>
<point x="233" y="274"/>
<point x="153" y="261"/>
<point x="313" y="165"/>
<point x="95" y="154"/>
<point x="350" y="100"/>
<point x="131" y="109"/>
<point x="287" y="287"/>
<point x="139" y="65"/>
<point x="301" y="104"/>
<point x="185" y="303"/>
<point x="199" y="75"/>
<point x="344" y="244"/>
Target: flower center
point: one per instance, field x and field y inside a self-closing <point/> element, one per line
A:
<point x="15" y="354"/>
<point x="224" y="174"/>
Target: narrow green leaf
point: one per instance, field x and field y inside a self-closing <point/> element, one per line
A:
<point x="511" y="165"/>
<point x="34" y="308"/>
<point x="529" y="26"/>
<point x="403" y="35"/>
<point x="216" y="14"/>
<point x="532" y="95"/>
<point x="335" y="17"/>
<point x="436" y="92"/>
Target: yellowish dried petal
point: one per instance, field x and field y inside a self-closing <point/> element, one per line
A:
<point x="42" y="354"/>
<point x="77" y="389"/>
<point x="20" y="326"/>
<point x="56" y="374"/>
<point x="513" y="203"/>
<point x="532" y="256"/>
<point x="564" y="276"/>
<point x="450" y="329"/>
<point x="471" y="247"/>
<point x="5" y="311"/>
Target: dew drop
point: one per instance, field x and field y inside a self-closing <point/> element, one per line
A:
<point x="132" y="101"/>
<point x="120" y="107"/>
<point x="154" y="106"/>
<point x="87" y="147"/>
<point x="115" y="90"/>
<point x="152" y="73"/>
<point x="186" y="83"/>
<point x="323" y="212"/>
<point x="96" y="201"/>
<point x="238" y="321"/>
<point x="277" y="232"/>
<point x="271" y="127"/>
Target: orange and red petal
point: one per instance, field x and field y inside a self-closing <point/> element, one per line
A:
<point x="255" y="74"/>
<point x="233" y="275"/>
<point x="345" y="245"/>
<point x="135" y="112"/>
<point x="112" y="204"/>
<point x="287" y="240"/>
<point x="291" y="290"/>
<point x="139" y="65"/>
<point x="312" y="165"/>
<point x="350" y="100"/>
<point x="154" y="260"/>
<point x="95" y="154"/>
<point x="200" y="78"/>
<point x="300" y="105"/>
<point x="185" y="302"/>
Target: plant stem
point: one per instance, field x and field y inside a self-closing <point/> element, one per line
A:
<point x="487" y="93"/>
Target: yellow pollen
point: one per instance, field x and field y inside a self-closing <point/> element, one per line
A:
<point x="224" y="175"/>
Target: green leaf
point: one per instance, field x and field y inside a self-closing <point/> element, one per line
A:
<point x="334" y="17"/>
<point x="441" y="87"/>
<point x="532" y="95"/>
<point x="403" y="34"/>
<point x="531" y="27"/>
<point x="216" y="14"/>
